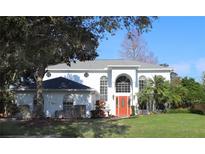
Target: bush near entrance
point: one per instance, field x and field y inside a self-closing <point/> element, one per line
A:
<point x="99" y="111"/>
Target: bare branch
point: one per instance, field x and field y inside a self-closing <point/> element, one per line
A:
<point x="135" y="48"/>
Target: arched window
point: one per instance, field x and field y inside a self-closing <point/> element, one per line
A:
<point x="103" y="88"/>
<point x="142" y="82"/>
<point x="67" y="101"/>
<point x="122" y="85"/>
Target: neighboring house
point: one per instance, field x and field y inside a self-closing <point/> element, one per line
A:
<point x="82" y="83"/>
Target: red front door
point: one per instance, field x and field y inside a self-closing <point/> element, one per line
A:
<point x="122" y="106"/>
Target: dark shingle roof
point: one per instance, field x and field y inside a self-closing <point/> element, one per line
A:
<point x="60" y="83"/>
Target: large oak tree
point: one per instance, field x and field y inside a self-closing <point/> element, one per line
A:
<point x="36" y="42"/>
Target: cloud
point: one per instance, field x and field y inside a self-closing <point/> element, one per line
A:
<point x="192" y="68"/>
<point x="182" y="69"/>
<point x="200" y="65"/>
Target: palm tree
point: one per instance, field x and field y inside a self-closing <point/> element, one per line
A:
<point x="145" y="96"/>
<point x="160" y="94"/>
<point x="155" y="94"/>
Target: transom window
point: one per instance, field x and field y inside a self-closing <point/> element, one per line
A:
<point x="103" y="88"/>
<point x="142" y="83"/>
<point x="122" y="85"/>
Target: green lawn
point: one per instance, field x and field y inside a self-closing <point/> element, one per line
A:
<point x="161" y="125"/>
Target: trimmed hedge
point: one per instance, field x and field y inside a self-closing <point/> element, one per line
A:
<point x="197" y="111"/>
<point x="198" y="108"/>
<point x="179" y="110"/>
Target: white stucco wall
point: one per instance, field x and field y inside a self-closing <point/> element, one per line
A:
<point x="25" y="98"/>
<point x="93" y="81"/>
<point x="54" y="100"/>
<point x="148" y="74"/>
<point x="114" y="74"/>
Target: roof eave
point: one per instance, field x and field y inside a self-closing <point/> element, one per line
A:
<point x="69" y="90"/>
<point x="123" y="66"/>
<point x="156" y="69"/>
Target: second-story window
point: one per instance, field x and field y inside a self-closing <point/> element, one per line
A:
<point x="142" y="83"/>
<point x="103" y="88"/>
<point x="122" y="85"/>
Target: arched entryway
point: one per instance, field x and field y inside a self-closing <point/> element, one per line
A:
<point x="123" y="90"/>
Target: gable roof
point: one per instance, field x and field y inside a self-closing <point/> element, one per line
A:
<point x="103" y="64"/>
<point x="59" y="83"/>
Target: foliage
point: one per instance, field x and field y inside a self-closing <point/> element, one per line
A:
<point x="178" y="93"/>
<point x="195" y="91"/>
<point x="203" y="79"/>
<point x="157" y="90"/>
<point x="24" y="112"/>
<point x="59" y="114"/>
<point x="99" y="111"/>
<point x="135" y="48"/>
<point x="186" y="91"/>
<point x="7" y="106"/>
<point x="30" y="44"/>
<point x="198" y="108"/>
<point x="197" y="111"/>
<point x="178" y="110"/>
<point x="133" y="110"/>
<point x="11" y="39"/>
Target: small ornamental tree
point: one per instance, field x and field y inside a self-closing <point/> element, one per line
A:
<point x="99" y="111"/>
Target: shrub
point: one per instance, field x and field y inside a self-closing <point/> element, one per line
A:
<point x="198" y="108"/>
<point x="133" y="110"/>
<point x="24" y="112"/>
<point x="59" y="114"/>
<point x="12" y="109"/>
<point x="197" y="111"/>
<point x="179" y="110"/>
<point x="99" y="111"/>
<point x="7" y="106"/>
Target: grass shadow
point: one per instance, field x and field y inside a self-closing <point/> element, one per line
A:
<point x="67" y="129"/>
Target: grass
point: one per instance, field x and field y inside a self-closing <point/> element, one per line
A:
<point x="160" y="125"/>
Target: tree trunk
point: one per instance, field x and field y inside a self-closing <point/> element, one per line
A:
<point x="39" y="101"/>
<point x="5" y="111"/>
<point x="153" y="105"/>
